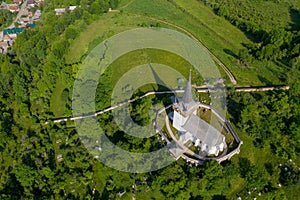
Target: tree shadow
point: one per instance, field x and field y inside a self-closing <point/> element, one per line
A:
<point x="258" y="143"/>
<point x="197" y="198"/>
<point x="295" y="17"/>
<point x="279" y="74"/>
<point x="12" y="188"/>
<point x="244" y="166"/>
<point x="256" y="36"/>
<point x="264" y="80"/>
<point x="269" y="167"/>
<point x="229" y="52"/>
<point x="219" y="197"/>
<point x="234" y="108"/>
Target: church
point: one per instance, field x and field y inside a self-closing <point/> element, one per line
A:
<point x="193" y="129"/>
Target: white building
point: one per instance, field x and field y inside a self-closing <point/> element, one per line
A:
<point x="192" y="128"/>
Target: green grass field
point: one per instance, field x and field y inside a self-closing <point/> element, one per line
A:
<point x="223" y="39"/>
<point x="215" y="32"/>
<point x="59" y="98"/>
<point x="56" y="105"/>
<point x="146" y="56"/>
<point x="107" y="25"/>
<point x="147" y="66"/>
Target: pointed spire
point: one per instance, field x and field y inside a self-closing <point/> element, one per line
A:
<point x="187" y="96"/>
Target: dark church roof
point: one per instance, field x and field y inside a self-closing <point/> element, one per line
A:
<point x="187" y="103"/>
<point x="188" y="96"/>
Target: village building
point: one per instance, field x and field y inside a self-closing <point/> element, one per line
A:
<point x="6" y="38"/>
<point x="13" y="7"/>
<point x="31" y="3"/>
<point x="36" y="15"/>
<point x="4" y="6"/>
<point x="9" y="38"/>
<point x="72" y="8"/>
<point x="59" y="158"/>
<point x="18" y="2"/>
<point x="22" y="25"/>
<point x="3" y="47"/>
<point x="59" y="11"/>
<point x="24" y="20"/>
<point x="29" y="13"/>
<point x="12" y="36"/>
<point x="39" y="3"/>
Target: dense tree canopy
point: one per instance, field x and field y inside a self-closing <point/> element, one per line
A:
<point x="6" y="18"/>
<point x="274" y="38"/>
<point x="50" y="162"/>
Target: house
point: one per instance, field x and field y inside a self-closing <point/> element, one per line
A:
<point x="39" y="3"/>
<point x="29" y="14"/>
<point x="192" y="129"/>
<point x="6" y="38"/>
<point x="3" y="47"/>
<point x="31" y="3"/>
<point x="12" y="36"/>
<point x="18" y="2"/>
<point x="37" y="15"/>
<point x="24" y="20"/>
<point x="71" y="8"/>
<point x="13" y="7"/>
<point x="59" y="158"/>
<point x="4" y="6"/>
<point x="59" y="11"/>
<point x="121" y="193"/>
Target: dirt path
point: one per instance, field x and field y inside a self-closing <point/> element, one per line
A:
<point x="120" y="8"/>
<point x="198" y="89"/>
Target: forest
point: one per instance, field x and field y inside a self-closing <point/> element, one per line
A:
<point x="273" y="38"/>
<point x="39" y="161"/>
<point x="6" y="18"/>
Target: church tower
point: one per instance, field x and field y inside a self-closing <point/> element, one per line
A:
<point x="186" y="105"/>
<point x="187" y="96"/>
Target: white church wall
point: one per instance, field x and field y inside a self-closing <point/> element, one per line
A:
<point x="178" y="121"/>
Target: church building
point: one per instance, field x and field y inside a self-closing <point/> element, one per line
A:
<point x="192" y="128"/>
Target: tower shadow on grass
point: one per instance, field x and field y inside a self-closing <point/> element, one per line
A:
<point x="295" y="17"/>
<point x="229" y="52"/>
